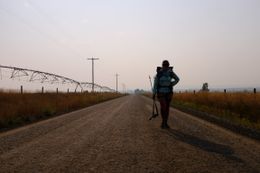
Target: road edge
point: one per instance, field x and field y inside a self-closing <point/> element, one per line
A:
<point x="245" y="131"/>
<point x="24" y="124"/>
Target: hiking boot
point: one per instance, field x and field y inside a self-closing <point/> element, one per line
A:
<point x="167" y="126"/>
<point x="163" y="126"/>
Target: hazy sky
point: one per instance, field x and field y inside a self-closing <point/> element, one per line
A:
<point x="214" y="41"/>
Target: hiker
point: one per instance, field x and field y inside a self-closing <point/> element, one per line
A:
<point x="164" y="81"/>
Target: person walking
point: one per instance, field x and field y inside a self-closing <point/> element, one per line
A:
<point x="164" y="82"/>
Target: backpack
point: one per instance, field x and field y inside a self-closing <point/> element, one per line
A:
<point x="164" y="78"/>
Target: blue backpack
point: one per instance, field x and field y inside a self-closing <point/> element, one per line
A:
<point x="164" y="78"/>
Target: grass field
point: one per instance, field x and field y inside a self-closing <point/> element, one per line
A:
<point x="240" y="108"/>
<point x="17" y="109"/>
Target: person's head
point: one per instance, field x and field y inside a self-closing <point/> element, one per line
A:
<point x="165" y="64"/>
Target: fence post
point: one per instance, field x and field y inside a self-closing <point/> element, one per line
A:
<point x="68" y="90"/>
<point x="194" y="92"/>
<point x="57" y="90"/>
<point x="42" y="90"/>
<point x="225" y="91"/>
<point x="254" y="90"/>
<point x="21" y="89"/>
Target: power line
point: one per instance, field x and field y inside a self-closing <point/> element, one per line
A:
<point x="44" y="34"/>
<point x="52" y="22"/>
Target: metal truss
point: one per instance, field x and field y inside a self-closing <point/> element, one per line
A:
<point x="97" y="87"/>
<point x="44" y="77"/>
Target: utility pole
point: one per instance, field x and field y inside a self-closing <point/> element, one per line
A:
<point x="93" y="59"/>
<point x="117" y="82"/>
<point x="124" y="88"/>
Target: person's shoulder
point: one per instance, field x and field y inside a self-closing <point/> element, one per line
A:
<point x="170" y="71"/>
<point x="159" y="70"/>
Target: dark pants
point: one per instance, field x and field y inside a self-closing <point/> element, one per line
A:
<point x="165" y="100"/>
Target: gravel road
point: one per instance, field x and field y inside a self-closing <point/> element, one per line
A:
<point x="116" y="136"/>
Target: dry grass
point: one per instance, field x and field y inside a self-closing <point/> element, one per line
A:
<point x="17" y="109"/>
<point x="243" y="108"/>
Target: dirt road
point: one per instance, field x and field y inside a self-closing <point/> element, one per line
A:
<point x="116" y="136"/>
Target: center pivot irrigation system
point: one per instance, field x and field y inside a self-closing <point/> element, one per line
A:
<point x="44" y="77"/>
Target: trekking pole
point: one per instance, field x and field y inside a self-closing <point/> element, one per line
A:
<point x="155" y="109"/>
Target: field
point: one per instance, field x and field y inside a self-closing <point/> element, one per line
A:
<point x="240" y="108"/>
<point x="17" y="109"/>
